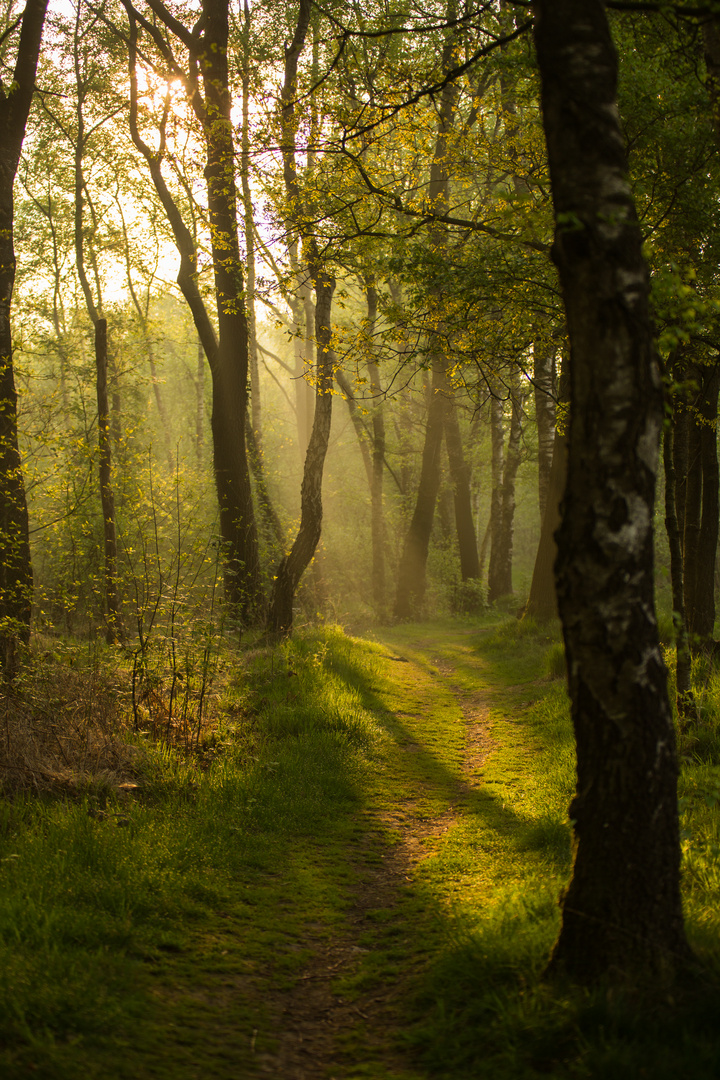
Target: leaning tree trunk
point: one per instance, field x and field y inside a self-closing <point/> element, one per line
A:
<point x="16" y="579"/>
<point x="292" y="567"/>
<point x="621" y="913"/>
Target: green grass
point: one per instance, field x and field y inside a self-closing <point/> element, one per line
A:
<point x="155" y="935"/>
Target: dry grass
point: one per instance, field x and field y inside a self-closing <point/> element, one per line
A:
<point x="64" y="727"/>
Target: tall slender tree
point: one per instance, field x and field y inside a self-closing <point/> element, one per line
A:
<point x="16" y="579"/>
<point x="294" y="564"/>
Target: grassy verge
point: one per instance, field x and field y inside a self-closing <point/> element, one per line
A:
<point x="154" y="932"/>
<point x="143" y="934"/>
<point x="485" y="1009"/>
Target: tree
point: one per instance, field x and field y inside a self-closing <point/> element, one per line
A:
<point x="294" y="564"/>
<point x="621" y="913"/>
<point x="113" y="621"/>
<point x="505" y="467"/>
<point x="16" y="579"/>
<point x="206" y="80"/>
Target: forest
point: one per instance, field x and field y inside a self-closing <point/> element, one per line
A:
<point x="359" y="509"/>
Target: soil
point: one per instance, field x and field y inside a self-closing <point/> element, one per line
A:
<point x="314" y="1021"/>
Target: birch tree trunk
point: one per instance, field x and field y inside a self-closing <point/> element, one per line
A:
<point x="621" y="913"/>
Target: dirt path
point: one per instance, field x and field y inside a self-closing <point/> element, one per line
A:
<point x="318" y="1028"/>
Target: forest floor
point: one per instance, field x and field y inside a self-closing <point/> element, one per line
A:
<point x="316" y="1022"/>
<point x="358" y="877"/>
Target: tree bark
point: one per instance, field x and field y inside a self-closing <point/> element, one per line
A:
<point x="16" y="578"/>
<point x="621" y="914"/>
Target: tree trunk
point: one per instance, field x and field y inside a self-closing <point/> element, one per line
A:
<point x="16" y="578"/>
<point x="227" y="352"/>
<point x="113" y="622"/>
<point x="544" y="392"/>
<point x="542" y="601"/>
<point x="621" y="914"/>
<point x="704" y="614"/>
<point x="701" y="504"/>
<point x="685" y="702"/>
<point x="249" y="224"/>
<point x="503" y="561"/>
<point x="460" y="477"/>
<point x="200" y="404"/>
<point x="292" y="567"/>
<point x="413" y="561"/>
<point x="497" y="440"/>
<point x="274" y="531"/>
<point x="377" y="517"/>
<point x="692" y="517"/>
<point x="230" y="378"/>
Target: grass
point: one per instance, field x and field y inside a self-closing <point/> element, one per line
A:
<point x="485" y="1009"/>
<point x="158" y="931"/>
